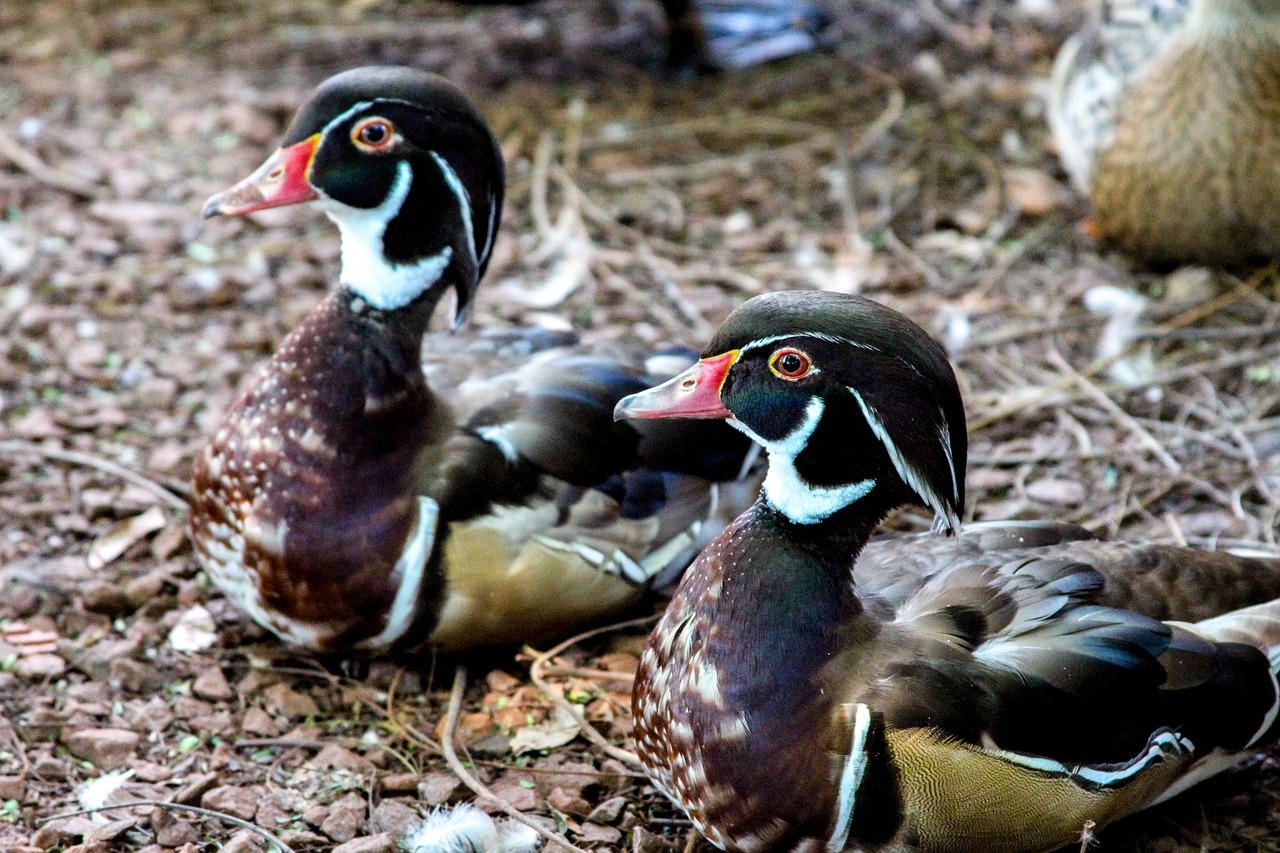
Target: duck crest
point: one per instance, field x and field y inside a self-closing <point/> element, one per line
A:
<point x="312" y="466"/>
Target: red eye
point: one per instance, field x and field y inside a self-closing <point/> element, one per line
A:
<point x="373" y="134"/>
<point x="790" y="364"/>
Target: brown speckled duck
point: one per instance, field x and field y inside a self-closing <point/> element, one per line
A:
<point x="372" y="493"/>
<point x="1166" y="113"/>
<point x="976" y="694"/>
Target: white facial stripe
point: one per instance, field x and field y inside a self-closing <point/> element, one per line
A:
<point x="855" y="765"/>
<point x="785" y="490"/>
<point x="464" y="203"/>
<point x="410" y="569"/>
<point x="909" y="473"/>
<point x="364" y="264"/>
<point x="822" y="336"/>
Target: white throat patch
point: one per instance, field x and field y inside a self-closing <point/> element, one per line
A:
<point x="365" y="269"/>
<point x="785" y="490"/>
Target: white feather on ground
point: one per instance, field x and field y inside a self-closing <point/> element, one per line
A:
<point x="96" y="793"/>
<point x="466" y="829"/>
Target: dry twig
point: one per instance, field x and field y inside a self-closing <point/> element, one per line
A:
<point x="481" y="789"/>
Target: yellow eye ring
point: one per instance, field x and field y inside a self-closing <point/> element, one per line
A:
<point x="790" y="364"/>
<point x="373" y="134"/>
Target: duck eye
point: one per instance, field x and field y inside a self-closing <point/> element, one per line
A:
<point x="373" y="134"/>
<point x="790" y="364"/>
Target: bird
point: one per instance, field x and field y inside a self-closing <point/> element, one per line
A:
<point x="379" y="488"/>
<point x="981" y="694"/>
<point x="1166" y="115"/>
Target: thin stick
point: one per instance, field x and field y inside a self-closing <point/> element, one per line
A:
<point x="270" y="839"/>
<point x="73" y="457"/>
<point x="588" y="731"/>
<point x="481" y="789"/>
<point x="28" y="162"/>
<point x="1114" y="409"/>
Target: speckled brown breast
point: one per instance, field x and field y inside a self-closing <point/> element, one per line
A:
<point x="300" y="505"/>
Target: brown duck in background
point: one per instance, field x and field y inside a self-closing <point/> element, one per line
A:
<point x="980" y="694"/>
<point x="371" y="493"/>
<point x="1166" y="114"/>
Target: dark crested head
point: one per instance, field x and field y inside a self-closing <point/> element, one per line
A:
<point x="407" y="168"/>
<point x="854" y="402"/>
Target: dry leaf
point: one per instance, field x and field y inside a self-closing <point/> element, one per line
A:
<point x="117" y="538"/>
<point x="552" y="734"/>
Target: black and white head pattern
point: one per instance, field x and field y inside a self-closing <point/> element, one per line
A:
<point x="852" y="401"/>
<point x="410" y="172"/>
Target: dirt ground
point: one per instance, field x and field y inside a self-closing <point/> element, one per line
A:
<point x="910" y="163"/>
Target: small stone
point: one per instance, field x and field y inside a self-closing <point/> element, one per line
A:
<point x="383" y="842"/>
<point x="258" y="722"/>
<point x="346" y="817"/>
<point x="316" y="815"/>
<point x="243" y="841"/>
<point x="39" y="667"/>
<point x="195" y="788"/>
<point x="593" y="832"/>
<point x="112" y="830"/>
<point x="106" y="749"/>
<point x="173" y="831"/>
<point x="108" y="598"/>
<point x="436" y="789"/>
<point x="337" y="758"/>
<point x="241" y="802"/>
<point x="395" y="817"/>
<point x="13" y="788"/>
<point x="609" y="811"/>
<point x="567" y="802"/>
<point x="282" y="700"/>
<point x="400" y="783"/>
<point x="644" y="841"/>
<point x="517" y="795"/>
<point x="211" y="684"/>
<point x="135" y="676"/>
<point x="144" y="589"/>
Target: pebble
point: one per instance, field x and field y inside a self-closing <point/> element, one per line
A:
<point x="36" y="667"/>
<point x="106" y="749"/>
<point x="212" y="684"/>
<point x="383" y="842"/>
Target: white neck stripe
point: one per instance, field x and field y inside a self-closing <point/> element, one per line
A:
<point x="365" y="269"/>
<point x="784" y="488"/>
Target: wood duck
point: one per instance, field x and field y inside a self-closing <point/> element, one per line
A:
<point x="797" y="697"/>
<point x="347" y="504"/>
<point x="1164" y="113"/>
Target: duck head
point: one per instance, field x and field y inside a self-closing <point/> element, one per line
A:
<point x="855" y="404"/>
<point x="406" y="167"/>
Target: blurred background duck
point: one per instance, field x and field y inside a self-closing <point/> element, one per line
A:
<point x="985" y="693"/>
<point x="1166" y="114"/>
<point x="374" y="491"/>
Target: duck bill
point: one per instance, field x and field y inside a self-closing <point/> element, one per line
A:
<point x="693" y="394"/>
<point x="280" y="181"/>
